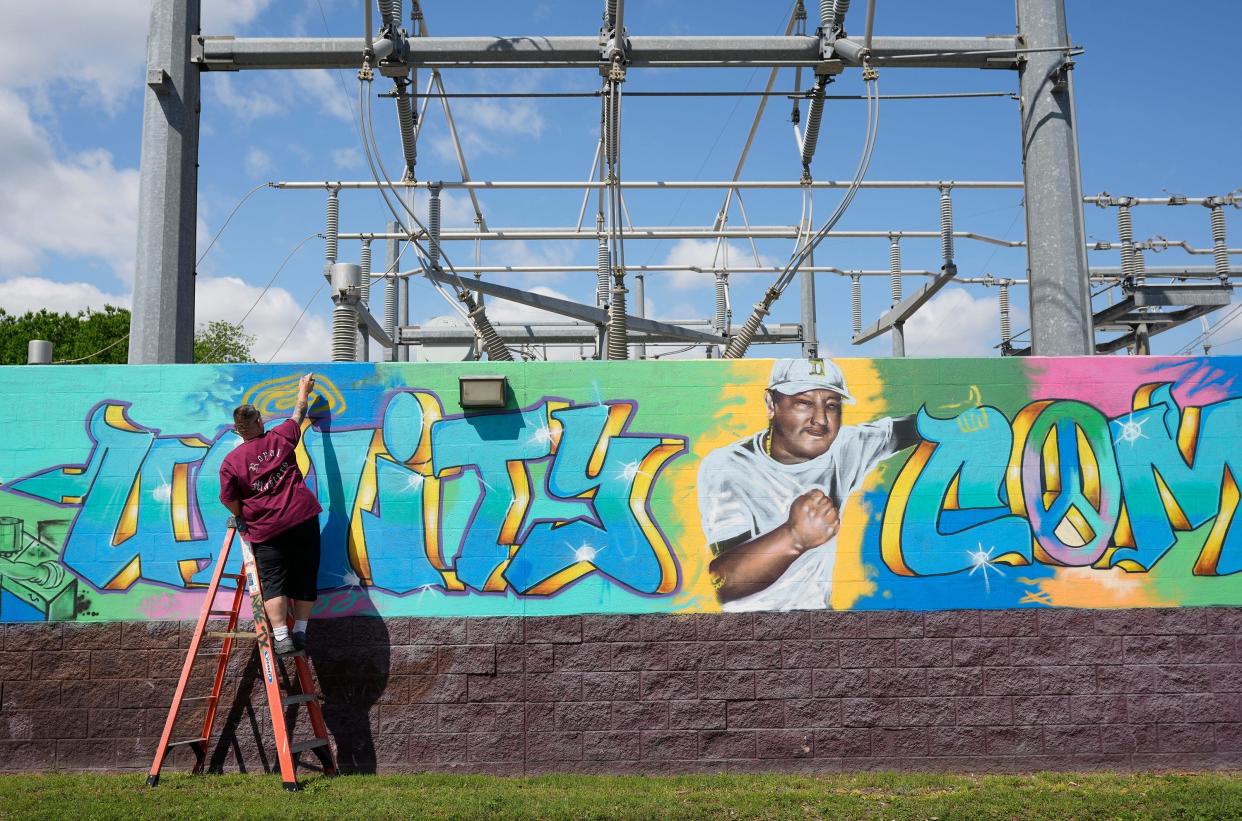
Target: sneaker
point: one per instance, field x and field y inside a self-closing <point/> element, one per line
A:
<point x="299" y="639"/>
<point x="284" y="647"/>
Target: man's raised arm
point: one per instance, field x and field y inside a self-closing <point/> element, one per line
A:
<point x="305" y="386"/>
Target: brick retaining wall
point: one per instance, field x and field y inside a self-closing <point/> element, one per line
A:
<point x="821" y="691"/>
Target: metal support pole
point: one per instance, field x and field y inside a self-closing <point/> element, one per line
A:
<point x="1006" y="328"/>
<point x="364" y="295"/>
<point x="894" y="288"/>
<point x="1220" y="251"/>
<point x="391" y="285"/>
<point x="403" y="315"/>
<point x="946" y="226"/>
<point x="855" y="304"/>
<point x="1061" y="321"/>
<point x="810" y="334"/>
<point x="332" y="229"/>
<point x="162" y="324"/>
<point x="1125" y="237"/>
<point x="640" y="310"/>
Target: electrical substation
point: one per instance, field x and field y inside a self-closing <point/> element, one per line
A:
<point x="1084" y="295"/>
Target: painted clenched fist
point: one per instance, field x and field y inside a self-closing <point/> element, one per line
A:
<point x="813" y="520"/>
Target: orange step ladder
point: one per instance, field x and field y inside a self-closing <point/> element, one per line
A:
<point x="306" y="694"/>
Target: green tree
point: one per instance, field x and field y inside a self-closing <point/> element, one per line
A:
<point x="95" y="337"/>
<point x="102" y="338"/>
<point x="221" y="341"/>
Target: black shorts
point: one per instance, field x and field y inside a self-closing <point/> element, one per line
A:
<point x="288" y="563"/>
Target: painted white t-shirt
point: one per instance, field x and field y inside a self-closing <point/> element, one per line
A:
<point x="745" y="492"/>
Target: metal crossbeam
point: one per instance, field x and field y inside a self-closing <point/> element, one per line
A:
<point x="899" y="313"/>
<point x="575" y="333"/>
<point x="216" y="53"/>
<point x="373" y="327"/>
<point x="564" y="307"/>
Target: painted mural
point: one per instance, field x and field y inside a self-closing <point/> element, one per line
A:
<point x="642" y="486"/>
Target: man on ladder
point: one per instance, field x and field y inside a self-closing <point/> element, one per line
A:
<point x="262" y="487"/>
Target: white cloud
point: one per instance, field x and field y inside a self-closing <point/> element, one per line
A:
<point x="350" y="157"/>
<point x="954" y="323"/>
<point x="485" y="126"/>
<point x="80" y="205"/>
<point x="334" y="95"/>
<point x="702" y="253"/>
<point x="242" y="105"/>
<point x="502" y="310"/>
<point x="21" y="294"/>
<point x="117" y="32"/>
<point x="456" y="212"/>
<point x="228" y="298"/>
<point x="258" y="162"/>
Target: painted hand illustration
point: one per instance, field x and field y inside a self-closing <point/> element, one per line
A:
<point x="813" y="520"/>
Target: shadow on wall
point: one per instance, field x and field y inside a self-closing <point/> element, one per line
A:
<point x="351" y="657"/>
<point x="351" y="661"/>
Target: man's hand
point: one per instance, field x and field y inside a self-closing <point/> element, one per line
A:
<point x="813" y="520"/>
<point x="305" y="385"/>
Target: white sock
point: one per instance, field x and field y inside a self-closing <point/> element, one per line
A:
<point x="299" y="626"/>
<point x="280" y="633"/>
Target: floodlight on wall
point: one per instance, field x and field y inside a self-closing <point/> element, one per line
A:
<point x="483" y="390"/>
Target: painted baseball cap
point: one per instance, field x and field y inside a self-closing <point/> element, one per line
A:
<point x="793" y="376"/>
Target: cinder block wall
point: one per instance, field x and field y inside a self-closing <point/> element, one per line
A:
<point x="811" y="691"/>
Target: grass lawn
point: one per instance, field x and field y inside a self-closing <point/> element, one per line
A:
<point x="878" y="796"/>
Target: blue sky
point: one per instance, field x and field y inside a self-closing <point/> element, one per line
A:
<point x="1158" y="102"/>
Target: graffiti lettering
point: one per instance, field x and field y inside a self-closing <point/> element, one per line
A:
<point x="527" y="500"/>
<point x="1064" y="485"/>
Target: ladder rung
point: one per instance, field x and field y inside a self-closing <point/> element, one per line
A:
<point x="197" y="698"/>
<point x="187" y="741"/>
<point x="224" y="634"/>
<point x="303" y="746"/>
<point x="219" y="612"/>
<point x="234" y="576"/>
<point x="300" y="698"/>
<point x="209" y="655"/>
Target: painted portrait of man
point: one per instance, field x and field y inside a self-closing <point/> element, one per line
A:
<point x="771" y="504"/>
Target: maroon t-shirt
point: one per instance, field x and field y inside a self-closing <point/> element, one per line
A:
<point x="263" y="475"/>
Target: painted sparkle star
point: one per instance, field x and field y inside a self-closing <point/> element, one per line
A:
<point x="586" y="553"/>
<point x="542" y="435"/>
<point x="629" y="470"/>
<point x="1130" y="431"/>
<point x="414" y="482"/>
<point x="982" y="560"/>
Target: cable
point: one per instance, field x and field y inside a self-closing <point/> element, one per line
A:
<point x="475" y="313"/>
<point x="305" y="308"/>
<point x="741" y="341"/>
<point x="266" y="288"/>
<point x="229" y="219"/>
<point x="105" y="349"/>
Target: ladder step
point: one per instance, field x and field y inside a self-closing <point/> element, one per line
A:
<point x="234" y="576"/>
<point x="186" y="741"/>
<point x="301" y="698"/>
<point x="303" y="746"/>
<point x="224" y="634"/>
<point x="197" y="698"/>
<point x="219" y="612"/>
<point x="209" y="655"/>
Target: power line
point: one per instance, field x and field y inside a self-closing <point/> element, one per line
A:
<point x="229" y="219"/>
<point x="266" y="288"/>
